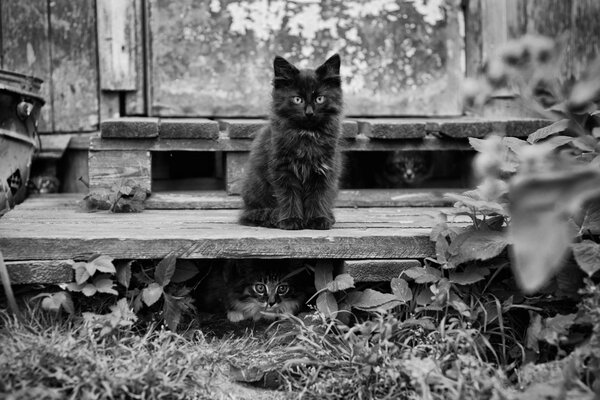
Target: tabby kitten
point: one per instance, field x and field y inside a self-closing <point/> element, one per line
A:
<point x="294" y="165"/>
<point x="253" y="289"/>
<point x="402" y="169"/>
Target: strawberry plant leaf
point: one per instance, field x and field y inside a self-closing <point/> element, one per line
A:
<point x="152" y="293"/>
<point x="172" y="312"/>
<point x="424" y="274"/>
<point x="401" y="290"/>
<point x="104" y="264"/>
<point x="165" y="269"/>
<point x="184" y="270"/>
<point x="372" y="300"/>
<point x="591" y="220"/>
<point x="477" y="244"/>
<point x="124" y="272"/>
<point x="81" y="273"/>
<point x="105" y="286"/>
<point x="327" y="304"/>
<point x="341" y="282"/>
<point x="470" y="275"/>
<point x="587" y="255"/>
<point x="89" y="289"/>
<point x="66" y="301"/>
<point x="554" y="129"/>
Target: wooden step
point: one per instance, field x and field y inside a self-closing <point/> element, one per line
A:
<point x="54" y="233"/>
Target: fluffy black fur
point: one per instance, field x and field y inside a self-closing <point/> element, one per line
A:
<point x="294" y="166"/>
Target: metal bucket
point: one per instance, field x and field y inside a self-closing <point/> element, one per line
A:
<point x="20" y="105"/>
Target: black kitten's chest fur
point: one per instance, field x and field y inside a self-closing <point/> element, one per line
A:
<point x="295" y="162"/>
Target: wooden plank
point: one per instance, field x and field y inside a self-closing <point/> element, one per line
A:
<point x="130" y="128"/>
<point x="110" y="107"/>
<point x="36" y="271"/>
<point x="495" y="27"/>
<point x="53" y="146"/>
<point x="188" y="128"/>
<point x="242" y="128"/>
<point x="74" y="65"/>
<point x="135" y="102"/>
<point x="66" y="234"/>
<point x="26" y="48"/>
<point x="473" y="44"/>
<point x="392" y="128"/>
<point x="117" y="44"/>
<point x="377" y="270"/>
<point x="74" y="171"/>
<point x="235" y="170"/>
<point x="585" y="33"/>
<point x="481" y="128"/>
<point x="107" y="168"/>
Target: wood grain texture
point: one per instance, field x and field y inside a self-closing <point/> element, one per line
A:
<point x="392" y="128"/>
<point x="473" y="44"/>
<point x="36" y="271"/>
<point x="188" y="128"/>
<point x="26" y="47"/>
<point x="481" y="128"/>
<point x="130" y="128"/>
<point x="235" y="170"/>
<point x="135" y="102"/>
<point x="74" y="65"/>
<point x="370" y="233"/>
<point x="73" y="169"/>
<point x="107" y="168"/>
<point x="117" y="44"/>
<point x="376" y="270"/>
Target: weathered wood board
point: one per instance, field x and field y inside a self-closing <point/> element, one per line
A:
<point x="117" y="44"/>
<point x="26" y="49"/>
<point x="22" y="272"/>
<point x="136" y="102"/>
<point x="74" y="65"/>
<point x="235" y="169"/>
<point x="370" y="233"/>
<point x="377" y="270"/>
<point x="399" y="57"/>
<point x="108" y="168"/>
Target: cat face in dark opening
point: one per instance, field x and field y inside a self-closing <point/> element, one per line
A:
<point x="264" y="295"/>
<point x="412" y="168"/>
<point x="307" y="98"/>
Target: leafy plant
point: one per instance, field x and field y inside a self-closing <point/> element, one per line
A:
<point x="126" y="197"/>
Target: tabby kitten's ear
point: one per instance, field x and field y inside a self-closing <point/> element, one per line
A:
<point x="284" y="70"/>
<point x="330" y="70"/>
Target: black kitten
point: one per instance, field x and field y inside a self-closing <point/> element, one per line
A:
<point x="295" y="161"/>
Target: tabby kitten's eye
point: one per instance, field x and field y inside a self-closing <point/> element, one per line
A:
<point x="297" y="100"/>
<point x="259" y="288"/>
<point x="320" y="99"/>
<point x="282" y="289"/>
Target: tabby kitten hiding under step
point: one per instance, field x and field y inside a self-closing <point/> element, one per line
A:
<point x="405" y="169"/>
<point x="254" y="289"/>
<point x="295" y="162"/>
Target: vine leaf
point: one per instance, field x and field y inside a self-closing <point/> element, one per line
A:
<point x="152" y="293"/>
<point x="165" y="269"/>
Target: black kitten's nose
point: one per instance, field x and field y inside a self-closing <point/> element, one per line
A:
<point x="309" y="111"/>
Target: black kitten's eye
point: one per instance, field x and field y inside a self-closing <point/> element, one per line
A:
<point x="282" y="289"/>
<point x="259" y="288"/>
<point x="297" y="100"/>
<point x="320" y="99"/>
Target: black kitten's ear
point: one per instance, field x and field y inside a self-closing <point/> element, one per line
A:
<point x="330" y="70"/>
<point x="283" y="68"/>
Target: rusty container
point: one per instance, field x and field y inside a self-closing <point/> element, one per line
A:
<point x="20" y="105"/>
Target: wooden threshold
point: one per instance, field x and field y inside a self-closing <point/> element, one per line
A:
<point x="64" y="233"/>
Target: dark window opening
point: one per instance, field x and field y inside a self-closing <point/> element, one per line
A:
<point x="187" y="171"/>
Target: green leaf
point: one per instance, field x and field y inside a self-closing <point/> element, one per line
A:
<point x="165" y="269"/>
<point x="401" y="289"/>
<point x="547" y="131"/>
<point x="476" y="244"/>
<point x="81" y="273"/>
<point x="341" y="282"/>
<point x="327" y="304"/>
<point x="105" y="286"/>
<point x="184" y="270"/>
<point x="372" y="300"/>
<point x="540" y="230"/>
<point x="124" y="272"/>
<point x="587" y="255"/>
<point x="591" y="220"/>
<point x="424" y="274"/>
<point x="104" y="264"/>
<point x="89" y="289"/>
<point x="152" y="293"/>
<point x="470" y="275"/>
<point x="172" y="312"/>
<point x="56" y="301"/>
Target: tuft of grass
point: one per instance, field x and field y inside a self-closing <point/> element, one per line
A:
<point x="46" y="358"/>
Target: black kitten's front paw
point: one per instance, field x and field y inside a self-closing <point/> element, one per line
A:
<point x="290" y="224"/>
<point x="321" y="223"/>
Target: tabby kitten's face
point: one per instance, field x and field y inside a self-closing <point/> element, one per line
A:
<point x="264" y="294"/>
<point x="307" y="98"/>
<point x="411" y="168"/>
